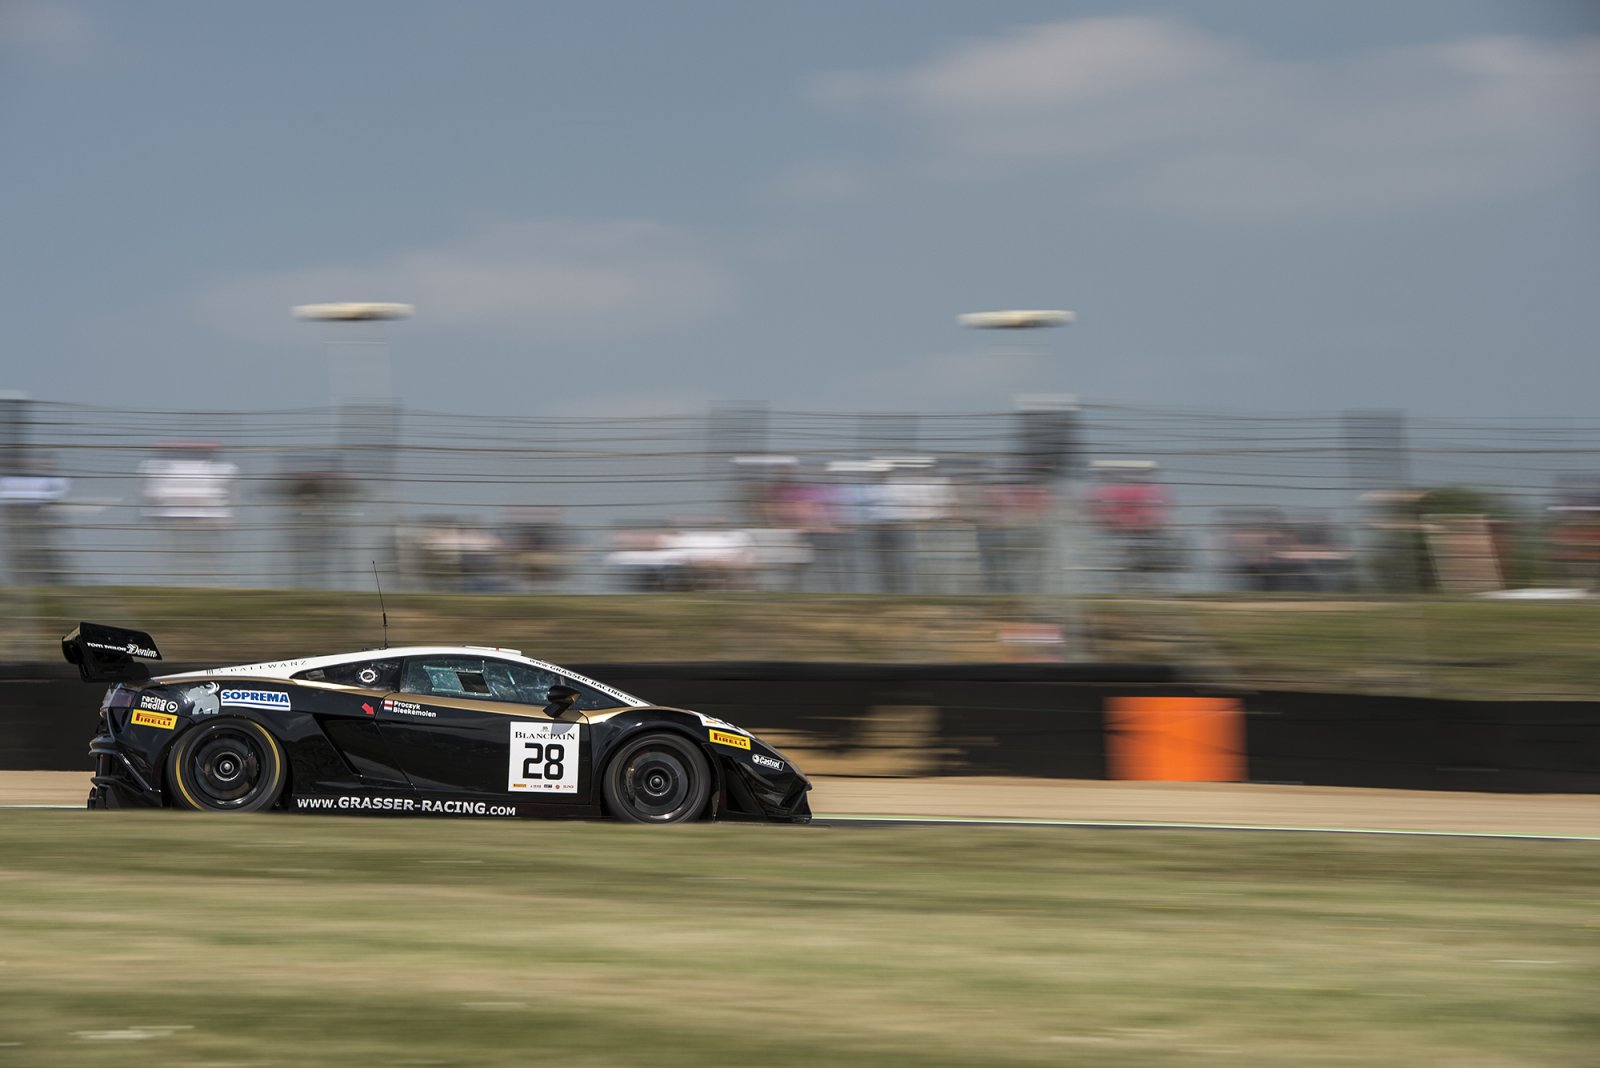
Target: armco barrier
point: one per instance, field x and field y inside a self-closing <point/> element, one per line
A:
<point x="1032" y="720"/>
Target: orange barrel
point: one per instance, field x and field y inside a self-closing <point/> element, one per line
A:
<point x="1175" y="739"/>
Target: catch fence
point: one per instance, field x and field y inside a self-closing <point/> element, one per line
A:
<point x="1092" y="499"/>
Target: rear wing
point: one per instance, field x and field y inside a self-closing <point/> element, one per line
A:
<point x="106" y="654"/>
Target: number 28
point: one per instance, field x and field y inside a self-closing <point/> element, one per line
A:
<point x="550" y="756"/>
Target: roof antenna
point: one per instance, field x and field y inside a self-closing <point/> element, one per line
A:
<point x="381" y="608"/>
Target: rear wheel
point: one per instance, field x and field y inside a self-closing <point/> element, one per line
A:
<point x="226" y="765"/>
<point x="658" y="778"/>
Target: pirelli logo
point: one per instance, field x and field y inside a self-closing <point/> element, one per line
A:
<point x="737" y="741"/>
<point x="141" y="718"/>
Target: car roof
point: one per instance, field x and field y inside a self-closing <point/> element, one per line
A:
<point x="287" y="669"/>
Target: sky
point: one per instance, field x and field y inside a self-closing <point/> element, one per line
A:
<point x="635" y="208"/>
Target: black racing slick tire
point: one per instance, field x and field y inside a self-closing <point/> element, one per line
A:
<point x="226" y="765"/>
<point x="658" y="778"/>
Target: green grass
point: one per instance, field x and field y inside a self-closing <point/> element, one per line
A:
<point x="1437" y="647"/>
<point x="164" y="939"/>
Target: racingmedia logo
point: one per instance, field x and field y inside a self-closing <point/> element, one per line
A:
<point x="402" y="804"/>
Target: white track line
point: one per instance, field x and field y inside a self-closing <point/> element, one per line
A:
<point x="1151" y="825"/>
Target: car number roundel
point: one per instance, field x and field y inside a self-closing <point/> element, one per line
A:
<point x="544" y="757"/>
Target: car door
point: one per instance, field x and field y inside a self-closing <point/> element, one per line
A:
<point x="348" y="716"/>
<point x="474" y="725"/>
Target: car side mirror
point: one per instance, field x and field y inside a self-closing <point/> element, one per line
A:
<point x="560" y="698"/>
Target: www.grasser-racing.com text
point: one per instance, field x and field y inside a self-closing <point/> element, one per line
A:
<point x="403" y="804"/>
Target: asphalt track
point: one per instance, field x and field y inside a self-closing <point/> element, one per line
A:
<point x="844" y="802"/>
<point x="854" y="822"/>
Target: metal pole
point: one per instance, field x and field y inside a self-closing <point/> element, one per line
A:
<point x="1048" y="423"/>
<point x="360" y="385"/>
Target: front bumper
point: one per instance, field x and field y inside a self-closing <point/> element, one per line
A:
<point x="749" y="795"/>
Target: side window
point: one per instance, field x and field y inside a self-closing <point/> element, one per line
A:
<point x="522" y="683"/>
<point x="446" y="676"/>
<point x="368" y="674"/>
<point x="495" y="680"/>
<point x="464" y="676"/>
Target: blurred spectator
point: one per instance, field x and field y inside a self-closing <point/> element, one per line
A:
<point x="188" y="488"/>
<point x="851" y="488"/>
<point x="30" y="497"/>
<point x="778" y="558"/>
<point x="828" y="513"/>
<point x="943" y="536"/>
<point x="779" y="511"/>
<point x="314" y="492"/>
<point x="1319" y="559"/>
<point x="451" y="555"/>
<point x="755" y="482"/>
<point x="1131" y="512"/>
<point x="1269" y="552"/>
<point x="1013" y="529"/>
<point x="889" y="514"/>
<point x="539" y="549"/>
<point x="799" y="517"/>
<point x="904" y="511"/>
<point x="1252" y="540"/>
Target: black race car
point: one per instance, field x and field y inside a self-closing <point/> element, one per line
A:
<point x="450" y="730"/>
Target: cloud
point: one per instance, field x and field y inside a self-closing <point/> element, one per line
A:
<point x="822" y="183"/>
<point x="544" y="279"/>
<point x="1153" y="113"/>
<point x="42" y="25"/>
<point x="1040" y="69"/>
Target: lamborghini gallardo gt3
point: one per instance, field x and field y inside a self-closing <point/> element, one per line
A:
<point x="428" y="730"/>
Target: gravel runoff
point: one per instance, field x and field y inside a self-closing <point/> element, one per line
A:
<point x="1253" y="804"/>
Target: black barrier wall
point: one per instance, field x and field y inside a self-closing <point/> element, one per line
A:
<point x="1413" y="743"/>
<point x="47" y="717"/>
<point x="1032" y="720"/>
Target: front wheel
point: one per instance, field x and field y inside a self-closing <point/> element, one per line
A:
<point x="659" y="778"/>
<point x="226" y="765"/>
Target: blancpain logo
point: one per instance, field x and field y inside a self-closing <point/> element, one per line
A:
<point x="767" y="762"/>
<point x="256" y="698"/>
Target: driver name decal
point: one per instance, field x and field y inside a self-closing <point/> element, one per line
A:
<point x="543" y="757"/>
